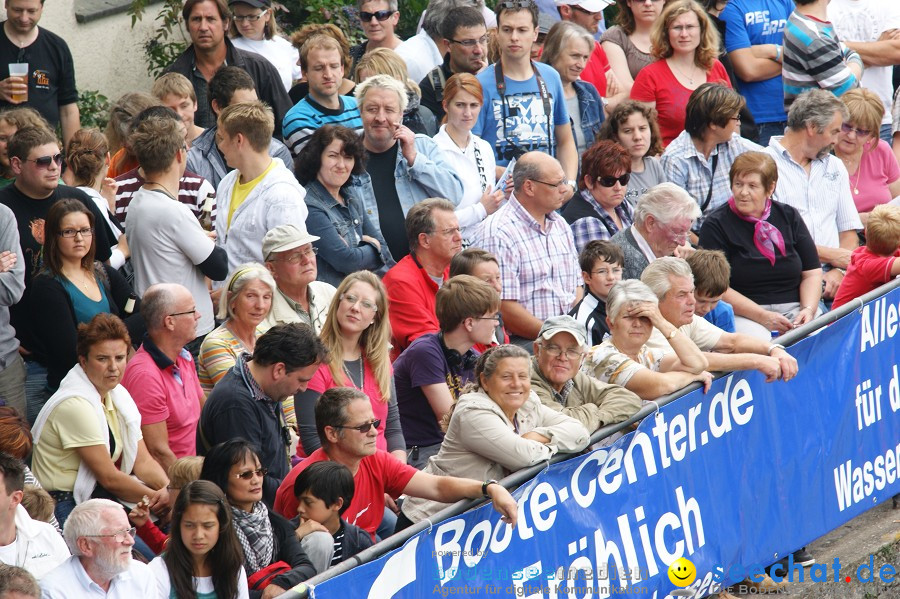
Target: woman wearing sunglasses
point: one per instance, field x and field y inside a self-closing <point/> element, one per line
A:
<point x="253" y="28"/>
<point x="273" y="558"/>
<point x="599" y="209"/>
<point x="497" y="427"/>
<point x="203" y="557"/>
<point x="72" y="288"/>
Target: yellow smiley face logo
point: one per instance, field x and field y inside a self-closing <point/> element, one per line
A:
<point x="682" y="572"/>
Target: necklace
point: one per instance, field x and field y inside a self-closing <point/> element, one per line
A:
<point x="164" y="189"/>
<point x="848" y="163"/>
<point x="689" y="77"/>
<point x="83" y="282"/>
<point x="358" y="367"/>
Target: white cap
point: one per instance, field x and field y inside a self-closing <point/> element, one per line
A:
<point x="588" y="5"/>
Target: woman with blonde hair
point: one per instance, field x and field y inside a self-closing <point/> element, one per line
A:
<point x="384" y="61"/>
<point x="357" y="332"/>
<point x="871" y="164"/>
<point x="685" y="44"/>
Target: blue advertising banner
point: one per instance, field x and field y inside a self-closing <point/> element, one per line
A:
<point x="733" y="480"/>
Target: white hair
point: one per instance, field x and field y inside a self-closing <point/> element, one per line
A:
<point x="86" y="520"/>
<point x="627" y="292"/>
<point x="666" y="202"/>
<point x="657" y="274"/>
<point x="381" y="82"/>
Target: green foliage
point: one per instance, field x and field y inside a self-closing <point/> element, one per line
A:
<point x="167" y="40"/>
<point x="94" y="109"/>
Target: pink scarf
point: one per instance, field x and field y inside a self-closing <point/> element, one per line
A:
<point x="766" y="236"/>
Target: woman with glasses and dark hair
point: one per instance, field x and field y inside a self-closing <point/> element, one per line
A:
<point x="273" y="558"/>
<point x="72" y="288"/>
<point x="599" y="209"/>
<point x="254" y="29"/>
<point x="87" y="437"/>
<point x="203" y="557"/>
<point x="348" y="240"/>
<point x="497" y="426"/>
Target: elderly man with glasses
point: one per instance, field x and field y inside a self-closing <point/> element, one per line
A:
<point x="100" y="538"/>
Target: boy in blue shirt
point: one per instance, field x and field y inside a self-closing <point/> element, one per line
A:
<point x="712" y="275"/>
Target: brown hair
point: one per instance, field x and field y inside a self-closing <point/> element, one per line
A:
<point x="155" y="142"/>
<point x="621" y="113"/>
<point x="755" y="162"/>
<point x="86" y="155"/>
<point x="711" y="104"/>
<point x="23" y="116"/>
<point x="603" y="159"/>
<point x="866" y="111"/>
<point x="883" y="230"/>
<point x="121" y="113"/>
<point x="712" y="273"/>
<point x="270" y="29"/>
<point x="463" y="297"/>
<point x="299" y="37"/>
<point x="598" y="249"/>
<point x="15" y="434"/>
<point x="26" y="139"/>
<point x="320" y="41"/>
<point x="708" y="50"/>
<point x="224" y="12"/>
<point x="464" y="262"/>
<point x="102" y="327"/>
<point x="38" y="503"/>
<point x="253" y="120"/>
<point x="185" y="470"/>
<point x="52" y="229"/>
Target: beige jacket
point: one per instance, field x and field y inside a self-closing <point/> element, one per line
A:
<point x="320" y="296"/>
<point x="483" y="444"/>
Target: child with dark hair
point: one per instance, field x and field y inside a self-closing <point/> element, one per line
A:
<point x="712" y="277"/>
<point x="324" y="491"/>
<point x="602" y="263"/>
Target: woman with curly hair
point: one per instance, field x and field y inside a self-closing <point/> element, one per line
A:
<point x="686" y="44"/>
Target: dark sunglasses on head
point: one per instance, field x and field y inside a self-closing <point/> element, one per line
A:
<point x="45" y="161"/>
<point x="380" y="15"/>
<point x="611" y="181"/>
<point x="363" y="428"/>
<point x="515" y="4"/>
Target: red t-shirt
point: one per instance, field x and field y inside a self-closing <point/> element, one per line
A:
<point x="657" y="83"/>
<point x="596" y="68"/>
<point x="867" y="271"/>
<point x="378" y="474"/>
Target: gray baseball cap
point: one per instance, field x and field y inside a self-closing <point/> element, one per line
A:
<point x="563" y="324"/>
<point x="285" y="237"/>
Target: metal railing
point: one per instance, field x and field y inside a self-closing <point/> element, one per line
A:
<point x="519" y="477"/>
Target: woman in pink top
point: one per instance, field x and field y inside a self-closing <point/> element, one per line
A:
<point x="686" y="44"/>
<point x="871" y="164"/>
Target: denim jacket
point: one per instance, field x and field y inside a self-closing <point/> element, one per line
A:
<point x="340" y="229"/>
<point x="430" y="176"/>
<point x="591" y="110"/>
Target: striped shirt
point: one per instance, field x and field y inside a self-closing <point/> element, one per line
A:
<point x="307" y="115"/>
<point x="690" y="170"/>
<point x="814" y="57"/>
<point x="539" y="268"/>
<point x="822" y="196"/>
<point x="193" y="190"/>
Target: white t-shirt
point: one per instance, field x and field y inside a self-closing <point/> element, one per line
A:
<point x="8" y="553"/>
<point x="167" y="247"/>
<point x="280" y="52"/>
<point x="202" y="584"/>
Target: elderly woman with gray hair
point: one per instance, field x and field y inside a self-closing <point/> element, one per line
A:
<point x="244" y="304"/>
<point x="632" y="310"/>
<point x="663" y="219"/>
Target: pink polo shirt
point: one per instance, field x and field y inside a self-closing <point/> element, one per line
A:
<point x="166" y="392"/>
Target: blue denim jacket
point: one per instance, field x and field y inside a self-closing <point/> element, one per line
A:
<point x="340" y="229"/>
<point x="430" y="176"/>
<point x="591" y="110"/>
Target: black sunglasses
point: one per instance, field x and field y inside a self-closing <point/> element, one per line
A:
<point x="363" y="428"/>
<point x="611" y="181"/>
<point x="45" y="161"/>
<point x="380" y="15"/>
<point x="248" y="474"/>
<point x="515" y="4"/>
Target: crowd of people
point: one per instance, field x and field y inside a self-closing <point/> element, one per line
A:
<point x="303" y="294"/>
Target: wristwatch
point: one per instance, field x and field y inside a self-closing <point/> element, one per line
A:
<point x="485" y="484"/>
<point x="773" y="347"/>
<point x="573" y="183"/>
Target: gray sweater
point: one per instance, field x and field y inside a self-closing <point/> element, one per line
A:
<point x="12" y="285"/>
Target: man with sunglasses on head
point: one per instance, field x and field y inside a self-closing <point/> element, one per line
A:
<point x="162" y="376"/>
<point x="378" y="19"/>
<point x="247" y="401"/>
<point x="347" y="429"/>
<point x="465" y="48"/>
<point x="422" y="52"/>
<point x="36" y="161"/>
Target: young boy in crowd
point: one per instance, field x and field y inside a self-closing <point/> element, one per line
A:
<point x="712" y="277"/>
<point x="324" y="491"/>
<point x="38" y="503"/>
<point x="875" y="263"/>
<point x="175" y="91"/>
<point x="601" y="267"/>
<point x="483" y="265"/>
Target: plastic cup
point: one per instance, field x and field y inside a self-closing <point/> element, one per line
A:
<point x="20" y="70"/>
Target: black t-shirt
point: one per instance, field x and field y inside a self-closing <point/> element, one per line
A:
<point x="381" y="168"/>
<point x="30" y="215"/>
<point x="51" y="73"/>
<point x="751" y="273"/>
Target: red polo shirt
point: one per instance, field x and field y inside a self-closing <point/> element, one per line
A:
<point x="411" y="292"/>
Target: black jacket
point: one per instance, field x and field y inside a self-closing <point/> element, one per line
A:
<point x="288" y="550"/>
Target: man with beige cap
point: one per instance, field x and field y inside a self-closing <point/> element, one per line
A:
<point x="291" y="258"/>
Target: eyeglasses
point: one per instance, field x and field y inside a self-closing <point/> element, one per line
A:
<point x="250" y="18"/>
<point x="296" y="257"/>
<point x="611" y="181"/>
<point x="515" y="4"/>
<point x="848" y="128"/>
<point x="495" y="318"/>
<point x="45" y="161"/>
<point x="555" y="351"/>
<point x="248" y="474"/>
<point x="685" y="28"/>
<point x="675" y="236"/>
<point x="352" y="300"/>
<point x="583" y="10"/>
<point x="119" y="536"/>
<point x="736" y="119"/>
<point x="447" y="232"/>
<point x="69" y="233"/>
<point x="378" y="15"/>
<point x="482" y="41"/>
<point x="605" y="272"/>
<point x="559" y="186"/>
<point x="363" y="428"/>
<point x="194" y="311"/>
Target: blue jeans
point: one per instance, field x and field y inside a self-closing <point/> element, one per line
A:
<point x="768" y="130"/>
<point x="36" y="392"/>
<point x="886" y="133"/>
